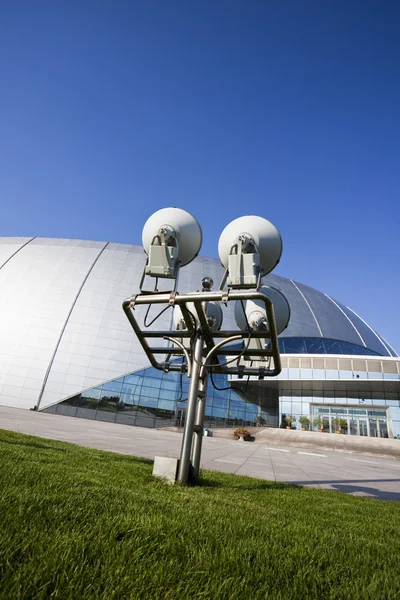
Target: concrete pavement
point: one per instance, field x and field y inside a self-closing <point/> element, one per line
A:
<point x="354" y="474"/>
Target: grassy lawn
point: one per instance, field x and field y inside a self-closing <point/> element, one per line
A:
<point x="79" y="523"/>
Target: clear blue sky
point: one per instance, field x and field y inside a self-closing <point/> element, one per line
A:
<point x="110" y="110"/>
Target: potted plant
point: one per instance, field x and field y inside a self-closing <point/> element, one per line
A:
<point x="337" y="422"/>
<point x="290" y="419"/>
<point x="318" y="422"/>
<point x="305" y="422"/>
<point x="241" y="434"/>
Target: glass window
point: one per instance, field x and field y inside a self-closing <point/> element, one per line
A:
<point x="108" y="401"/>
<point x="315" y="346"/>
<point x="74" y="401"/>
<point x="219" y="412"/>
<point x="130" y="389"/>
<point x="89" y="399"/>
<point x="113" y="386"/>
<point x="151" y="382"/>
<point x="148" y="401"/>
<point x="170" y="385"/>
<point x="300" y="345"/>
<point x="295" y="346"/>
<point x="150" y="392"/>
<point x="379" y="402"/>
<point x="296" y="408"/>
<point x="222" y="402"/>
<point x="170" y="394"/>
<point x="252" y="412"/>
<point x="126" y="399"/>
<point x="377" y="413"/>
<point x="154" y="373"/>
<point x="133" y="379"/>
<point x="357" y="411"/>
<point x="332" y="347"/>
<point x="346" y="348"/>
<point x="166" y="405"/>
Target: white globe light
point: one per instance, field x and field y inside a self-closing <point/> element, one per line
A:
<point x="265" y="235"/>
<point x="185" y="227"/>
<point x="255" y="313"/>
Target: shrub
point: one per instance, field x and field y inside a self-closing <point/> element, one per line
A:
<point x="290" y="419"/>
<point x="305" y="421"/>
<point x="242" y="431"/>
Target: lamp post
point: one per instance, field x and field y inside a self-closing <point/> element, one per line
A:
<point x="249" y="248"/>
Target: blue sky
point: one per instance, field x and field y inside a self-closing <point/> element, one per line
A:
<point x="290" y="110"/>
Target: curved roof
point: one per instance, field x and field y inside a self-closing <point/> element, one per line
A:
<point x="317" y="315"/>
<point x="62" y="328"/>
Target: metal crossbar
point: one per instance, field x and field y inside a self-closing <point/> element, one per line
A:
<point x="214" y="341"/>
<point x="204" y="351"/>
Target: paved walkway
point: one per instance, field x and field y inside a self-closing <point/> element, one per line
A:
<point x="357" y="475"/>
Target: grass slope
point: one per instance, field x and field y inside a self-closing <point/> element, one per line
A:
<point x="79" y="523"/>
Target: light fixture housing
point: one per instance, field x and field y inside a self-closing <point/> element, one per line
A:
<point x="249" y="248"/>
<point x="213" y="312"/>
<point x="172" y="238"/>
<point x="253" y="313"/>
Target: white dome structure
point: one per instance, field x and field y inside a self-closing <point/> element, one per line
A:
<point x="66" y="346"/>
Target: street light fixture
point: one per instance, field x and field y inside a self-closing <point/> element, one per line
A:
<point x="249" y="248"/>
<point x="171" y="238"/>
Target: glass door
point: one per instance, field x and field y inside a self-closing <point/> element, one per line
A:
<point x="353" y="430"/>
<point x="353" y="420"/>
<point x="326" y="424"/>
<point x="180" y="417"/>
<point x="373" y="429"/>
<point x="382" y="428"/>
<point x="363" y="426"/>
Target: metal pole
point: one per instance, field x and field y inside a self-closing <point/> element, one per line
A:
<point x="199" y="428"/>
<point x="184" y="461"/>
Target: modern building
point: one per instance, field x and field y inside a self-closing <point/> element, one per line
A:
<point x="66" y="347"/>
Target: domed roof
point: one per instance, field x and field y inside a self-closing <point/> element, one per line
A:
<point x="316" y="316"/>
<point x="318" y="324"/>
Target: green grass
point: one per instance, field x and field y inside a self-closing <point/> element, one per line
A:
<point x="79" y="523"/>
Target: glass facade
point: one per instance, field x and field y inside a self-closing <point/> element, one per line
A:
<point x="150" y="398"/>
<point x="318" y="345"/>
<point x="364" y="421"/>
<point x="380" y="410"/>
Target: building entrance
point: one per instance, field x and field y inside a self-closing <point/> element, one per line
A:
<point x="180" y="417"/>
<point x="352" y="420"/>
